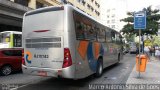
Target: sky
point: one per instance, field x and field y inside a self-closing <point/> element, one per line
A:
<point x="136" y="5"/>
<point x="133" y="5"/>
<point x="123" y="6"/>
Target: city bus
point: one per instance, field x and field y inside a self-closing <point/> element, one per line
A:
<point x="64" y="42"/>
<point x="10" y="39"/>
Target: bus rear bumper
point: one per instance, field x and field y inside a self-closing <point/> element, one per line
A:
<point x="67" y="72"/>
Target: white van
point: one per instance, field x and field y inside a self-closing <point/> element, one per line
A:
<point x="133" y="48"/>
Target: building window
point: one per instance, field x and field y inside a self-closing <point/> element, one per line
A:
<point x="70" y="3"/>
<point x="79" y="1"/>
<point x="39" y="5"/>
<point x="22" y="2"/>
<point x="92" y="9"/>
<point x="113" y="20"/>
<point x="88" y="6"/>
<point x="108" y="21"/>
<point x="83" y="2"/>
<point x="108" y="10"/>
<point x="113" y="26"/>
<point x="113" y="15"/>
<point x="98" y="13"/>
<point x="113" y="9"/>
<point x="97" y="4"/>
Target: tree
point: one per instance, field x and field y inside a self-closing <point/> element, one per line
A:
<point x="129" y="38"/>
<point x="152" y="19"/>
<point x="156" y="40"/>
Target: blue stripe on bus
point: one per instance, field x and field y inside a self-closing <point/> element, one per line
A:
<point x="91" y="60"/>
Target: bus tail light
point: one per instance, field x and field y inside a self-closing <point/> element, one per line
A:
<point x="23" y="61"/>
<point x="67" y="58"/>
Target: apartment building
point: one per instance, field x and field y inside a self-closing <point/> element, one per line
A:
<point x="112" y="12"/>
<point x="91" y="7"/>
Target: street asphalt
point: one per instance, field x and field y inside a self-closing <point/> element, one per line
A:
<point x="115" y="74"/>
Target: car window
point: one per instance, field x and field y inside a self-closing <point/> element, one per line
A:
<point x="7" y="52"/>
<point x="12" y="52"/>
<point x="17" y="53"/>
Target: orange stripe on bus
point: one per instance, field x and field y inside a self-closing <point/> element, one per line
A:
<point x="97" y="49"/>
<point x="82" y="48"/>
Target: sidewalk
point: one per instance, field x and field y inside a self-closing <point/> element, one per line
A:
<point x="150" y="76"/>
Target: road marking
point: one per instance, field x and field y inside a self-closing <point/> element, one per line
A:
<point x="19" y="87"/>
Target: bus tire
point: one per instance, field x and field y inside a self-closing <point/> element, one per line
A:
<point x="118" y="58"/>
<point x="99" y="69"/>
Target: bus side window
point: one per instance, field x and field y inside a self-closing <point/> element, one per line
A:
<point x="90" y="33"/>
<point x="79" y="30"/>
<point x="117" y="38"/>
<point x="113" y="38"/>
<point x="101" y="35"/>
<point x="108" y="36"/>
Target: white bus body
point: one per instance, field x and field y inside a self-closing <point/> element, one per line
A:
<point x="65" y="42"/>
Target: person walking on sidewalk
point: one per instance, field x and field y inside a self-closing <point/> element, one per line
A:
<point x="157" y="52"/>
<point x="147" y="52"/>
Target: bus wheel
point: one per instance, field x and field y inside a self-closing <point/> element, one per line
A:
<point x="6" y="70"/>
<point x="118" y="59"/>
<point x="99" y="70"/>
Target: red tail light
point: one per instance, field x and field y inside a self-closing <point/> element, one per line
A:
<point x="67" y="58"/>
<point x="23" y="61"/>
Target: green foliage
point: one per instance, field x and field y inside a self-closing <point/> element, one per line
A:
<point x="156" y="40"/>
<point x="129" y="38"/>
<point x="151" y="23"/>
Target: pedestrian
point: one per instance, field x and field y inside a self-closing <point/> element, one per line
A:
<point x="157" y="52"/>
<point x="147" y="52"/>
<point x="151" y="50"/>
<point x="137" y="50"/>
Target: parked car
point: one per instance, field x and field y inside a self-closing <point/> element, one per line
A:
<point x="10" y="60"/>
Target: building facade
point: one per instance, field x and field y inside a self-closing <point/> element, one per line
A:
<point x="11" y="15"/>
<point x="12" y="11"/>
<point x="91" y="7"/>
<point x="112" y="12"/>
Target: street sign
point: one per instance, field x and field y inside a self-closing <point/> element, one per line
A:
<point x="139" y="23"/>
<point x="140" y="20"/>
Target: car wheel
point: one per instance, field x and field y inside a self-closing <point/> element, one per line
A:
<point x="6" y="70"/>
<point x="99" y="70"/>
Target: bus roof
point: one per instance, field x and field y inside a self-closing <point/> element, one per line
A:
<point x="61" y="7"/>
<point x="14" y="32"/>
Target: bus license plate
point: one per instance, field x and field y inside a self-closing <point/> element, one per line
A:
<point x="42" y="73"/>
